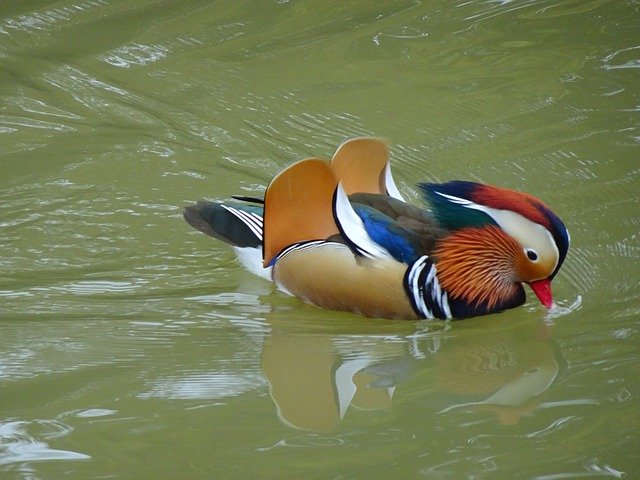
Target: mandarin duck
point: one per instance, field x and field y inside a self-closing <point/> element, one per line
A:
<point x="338" y="234"/>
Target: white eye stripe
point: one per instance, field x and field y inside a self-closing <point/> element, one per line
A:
<point x="530" y="235"/>
<point x="464" y="202"/>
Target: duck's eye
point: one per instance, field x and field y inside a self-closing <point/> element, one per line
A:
<point x="531" y="254"/>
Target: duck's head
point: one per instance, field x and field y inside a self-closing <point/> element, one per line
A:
<point x="499" y="238"/>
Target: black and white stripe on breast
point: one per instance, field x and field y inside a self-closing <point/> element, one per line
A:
<point x="424" y="291"/>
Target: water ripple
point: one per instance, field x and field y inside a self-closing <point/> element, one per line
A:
<point x="136" y="54"/>
<point x="95" y="413"/>
<point x="22" y="441"/>
<point x="591" y="470"/>
<point x="87" y="287"/>
<point x="206" y="386"/>
<point x="32" y="105"/>
<point x="45" y="19"/>
<point x="553" y="427"/>
<point x="621" y="59"/>
<point x="33" y="123"/>
<point x="559" y="310"/>
<point x="84" y="87"/>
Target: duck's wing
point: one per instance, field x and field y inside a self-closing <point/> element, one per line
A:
<point x="406" y="231"/>
<point x="362" y="166"/>
<point x="298" y="207"/>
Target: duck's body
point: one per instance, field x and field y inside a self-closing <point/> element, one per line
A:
<point x="339" y="235"/>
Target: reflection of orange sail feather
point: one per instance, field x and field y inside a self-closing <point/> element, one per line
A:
<point x="299" y="371"/>
<point x="312" y="388"/>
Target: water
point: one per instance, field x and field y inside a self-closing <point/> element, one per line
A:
<point x="134" y="347"/>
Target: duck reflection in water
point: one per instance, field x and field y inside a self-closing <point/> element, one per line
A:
<point x="318" y="380"/>
<point x="509" y="373"/>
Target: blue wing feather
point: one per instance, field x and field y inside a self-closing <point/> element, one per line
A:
<point x="386" y="232"/>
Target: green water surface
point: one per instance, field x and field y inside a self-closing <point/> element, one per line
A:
<point x="134" y="347"/>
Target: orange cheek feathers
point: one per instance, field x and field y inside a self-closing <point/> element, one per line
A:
<point x="530" y="272"/>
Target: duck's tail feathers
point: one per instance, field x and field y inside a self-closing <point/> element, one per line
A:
<point x="237" y="224"/>
<point x="243" y="198"/>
